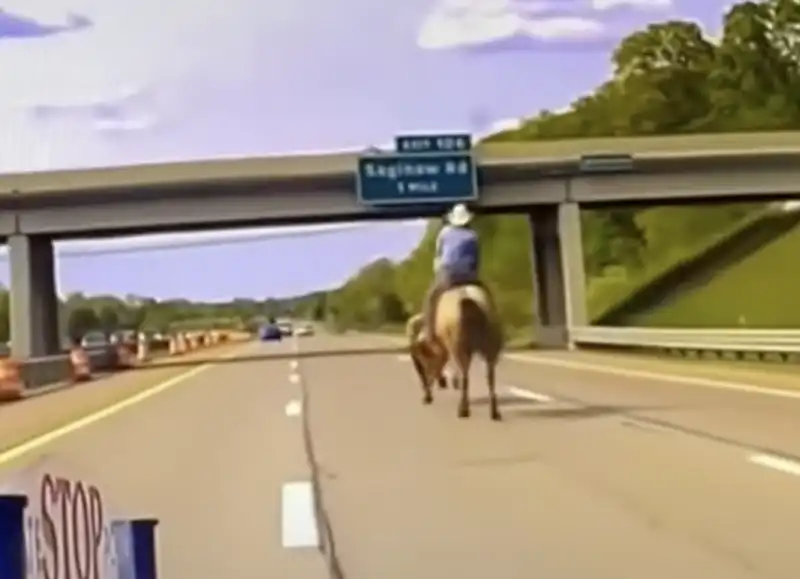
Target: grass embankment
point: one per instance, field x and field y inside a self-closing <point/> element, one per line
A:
<point x="762" y="291"/>
<point x="695" y="266"/>
<point x="701" y="281"/>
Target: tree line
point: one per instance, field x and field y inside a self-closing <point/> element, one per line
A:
<point x="80" y="314"/>
<point x="668" y="78"/>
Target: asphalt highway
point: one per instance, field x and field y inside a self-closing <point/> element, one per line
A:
<point x="599" y="469"/>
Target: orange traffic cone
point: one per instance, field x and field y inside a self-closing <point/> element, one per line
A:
<point x="11" y="384"/>
<point x="143" y="348"/>
<point x="81" y="366"/>
<point x="125" y="357"/>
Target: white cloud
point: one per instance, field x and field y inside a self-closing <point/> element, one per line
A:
<point x="64" y="83"/>
<point x="72" y="68"/>
<point x="455" y="23"/>
<point x="127" y="49"/>
<point x="612" y="4"/>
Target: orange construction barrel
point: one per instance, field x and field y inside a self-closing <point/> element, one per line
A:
<point x="11" y="384"/>
<point x="81" y="366"/>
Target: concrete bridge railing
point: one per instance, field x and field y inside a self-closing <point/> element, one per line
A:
<point x="739" y="342"/>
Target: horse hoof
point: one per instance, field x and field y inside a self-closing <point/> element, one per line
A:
<point x="463" y="412"/>
<point x="427" y="400"/>
<point x="442" y="383"/>
<point x="497" y="417"/>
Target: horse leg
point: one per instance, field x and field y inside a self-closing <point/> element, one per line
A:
<point x="427" y="392"/>
<point x="442" y="381"/>
<point x="490" y="381"/>
<point x="427" y="396"/>
<point x="463" y="404"/>
<point x="453" y="380"/>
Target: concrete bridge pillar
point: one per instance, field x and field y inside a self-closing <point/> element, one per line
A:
<point x="559" y="278"/>
<point x="34" y="304"/>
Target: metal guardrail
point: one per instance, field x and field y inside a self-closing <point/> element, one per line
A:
<point x="714" y="340"/>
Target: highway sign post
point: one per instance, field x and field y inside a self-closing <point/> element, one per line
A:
<point x="425" y="169"/>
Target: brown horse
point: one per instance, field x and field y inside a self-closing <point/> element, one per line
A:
<point x="429" y="359"/>
<point x="466" y="324"/>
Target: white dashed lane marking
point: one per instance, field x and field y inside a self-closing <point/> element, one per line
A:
<point x="294" y="408"/>
<point x="298" y="520"/>
<point x="299" y="527"/>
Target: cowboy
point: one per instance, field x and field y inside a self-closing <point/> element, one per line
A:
<point x="455" y="262"/>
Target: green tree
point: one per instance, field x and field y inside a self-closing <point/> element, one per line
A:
<point x="132" y="317"/>
<point x="661" y="73"/>
<point x="108" y="319"/>
<point x="158" y="318"/>
<point x="82" y="320"/>
<point x="755" y="79"/>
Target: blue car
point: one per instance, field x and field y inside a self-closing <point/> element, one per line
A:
<point x="270" y="333"/>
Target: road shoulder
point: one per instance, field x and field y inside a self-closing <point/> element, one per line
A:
<point x="26" y="419"/>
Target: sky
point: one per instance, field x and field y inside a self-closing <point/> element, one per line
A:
<point x="125" y="82"/>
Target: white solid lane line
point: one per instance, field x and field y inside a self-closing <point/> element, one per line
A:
<point x="43" y="440"/>
<point x="658" y="376"/>
<point x="778" y="463"/>
<point x="299" y="522"/>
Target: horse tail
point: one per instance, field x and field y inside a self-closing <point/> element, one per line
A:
<point x="478" y="333"/>
<point x="413" y="327"/>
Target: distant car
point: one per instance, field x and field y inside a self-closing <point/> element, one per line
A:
<point x="124" y="337"/>
<point x="270" y="333"/>
<point x="286" y="328"/>
<point x="304" y="330"/>
<point x="94" y="340"/>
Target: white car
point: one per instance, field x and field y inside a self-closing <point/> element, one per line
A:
<point x="304" y="330"/>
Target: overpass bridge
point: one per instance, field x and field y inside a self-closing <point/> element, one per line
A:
<point x="547" y="181"/>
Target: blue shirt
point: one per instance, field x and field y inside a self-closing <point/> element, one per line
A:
<point x="457" y="250"/>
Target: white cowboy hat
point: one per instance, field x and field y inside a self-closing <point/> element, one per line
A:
<point x="459" y="215"/>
